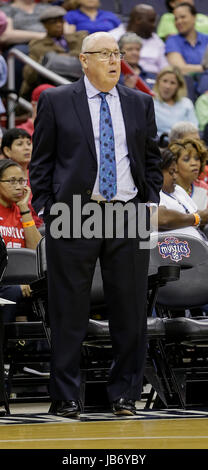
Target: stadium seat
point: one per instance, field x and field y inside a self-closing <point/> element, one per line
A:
<point x="177" y="365"/>
<point x="22" y="269"/>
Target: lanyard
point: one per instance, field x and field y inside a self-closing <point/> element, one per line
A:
<point x="179" y="202"/>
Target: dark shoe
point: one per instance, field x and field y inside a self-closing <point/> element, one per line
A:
<point x="124" y="407"/>
<point x="67" y="409"/>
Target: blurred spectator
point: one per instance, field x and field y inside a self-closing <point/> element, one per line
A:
<point x="3" y="80"/>
<point x="183" y="129"/>
<point x="130" y="45"/>
<point x="16" y="227"/>
<point x="201" y="107"/>
<point x="89" y="17"/>
<point x="16" y="145"/>
<point x="171" y="103"/>
<point x="55" y="41"/>
<point x="23" y="25"/>
<point x="3" y="66"/>
<point x="186" y="49"/>
<point x="3" y="22"/>
<point x="142" y="21"/>
<point x="166" y="26"/>
<point x="191" y="156"/>
<point x="28" y="126"/>
<point x="25" y="14"/>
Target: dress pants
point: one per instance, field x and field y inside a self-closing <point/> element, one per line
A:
<point x="124" y="266"/>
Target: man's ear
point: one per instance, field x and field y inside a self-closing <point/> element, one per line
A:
<point x="84" y="61"/>
<point x="6" y="151"/>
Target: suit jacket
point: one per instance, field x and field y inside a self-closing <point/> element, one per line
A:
<point x="64" y="159"/>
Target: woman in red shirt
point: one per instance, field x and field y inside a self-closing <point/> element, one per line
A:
<point x="17" y="226"/>
<point x="16" y="145"/>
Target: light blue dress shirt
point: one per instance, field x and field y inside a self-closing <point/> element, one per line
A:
<point x="126" y="188"/>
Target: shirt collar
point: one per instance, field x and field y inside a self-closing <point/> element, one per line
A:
<point x="92" y="91"/>
<point x="198" y="39"/>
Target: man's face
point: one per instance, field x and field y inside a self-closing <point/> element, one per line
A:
<point x="54" y="27"/>
<point x="147" y="24"/>
<point x="184" y="20"/>
<point x="102" y="72"/>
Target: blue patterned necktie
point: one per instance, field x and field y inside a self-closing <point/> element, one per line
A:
<point x="107" y="175"/>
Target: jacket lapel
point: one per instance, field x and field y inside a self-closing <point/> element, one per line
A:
<point x="83" y="112"/>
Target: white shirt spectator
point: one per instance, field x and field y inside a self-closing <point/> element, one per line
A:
<point x="152" y="54"/>
<point x="180" y="201"/>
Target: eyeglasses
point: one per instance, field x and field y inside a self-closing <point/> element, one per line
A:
<point x="106" y="55"/>
<point x="14" y="181"/>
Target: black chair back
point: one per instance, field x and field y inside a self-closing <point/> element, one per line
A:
<point x="191" y="254"/>
<point x="21" y="268"/>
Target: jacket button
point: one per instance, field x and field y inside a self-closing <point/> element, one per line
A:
<point x="89" y="191"/>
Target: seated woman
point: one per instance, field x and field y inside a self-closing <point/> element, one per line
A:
<point x="191" y="156"/>
<point x="23" y="21"/>
<point x="23" y="26"/>
<point x="177" y="211"/>
<point x="89" y="17"/>
<point x="171" y="103"/>
<point x="130" y="45"/>
<point x="16" y="144"/>
<point x="17" y="226"/>
<point x="166" y="26"/>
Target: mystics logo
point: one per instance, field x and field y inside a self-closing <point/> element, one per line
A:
<point x="174" y="248"/>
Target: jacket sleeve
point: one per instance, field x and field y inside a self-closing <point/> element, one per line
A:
<point x="43" y="156"/>
<point x="153" y="173"/>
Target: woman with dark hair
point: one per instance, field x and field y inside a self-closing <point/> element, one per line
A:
<point x="17" y="226"/>
<point x="177" y="211"/>
<point x="186" y="49"/>
<point x="17" y="145"/>
<point x="191" y="156"/>
<point x="166" y="26"/>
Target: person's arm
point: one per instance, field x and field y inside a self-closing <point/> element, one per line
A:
<point x="17" y="36"/>
<point x="69" y="23"/>
<point x="69" y="28"/>
<point x="190" y="113"/>
<point x="153" y="174"/>
<point x="32" y="235"/>
<point x="175" y="59"/>
<point x="169" y="219"/>
<point x="44" y="153"/>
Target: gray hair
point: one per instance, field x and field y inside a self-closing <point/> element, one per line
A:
<point x="91" y="38"/>
<point x="128" y="38"/>
<point x="181" y="130"/>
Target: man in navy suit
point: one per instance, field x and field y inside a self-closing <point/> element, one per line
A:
<point x="74" y="125"/>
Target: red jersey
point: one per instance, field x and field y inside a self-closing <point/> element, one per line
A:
<point x="11" y="228"/>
